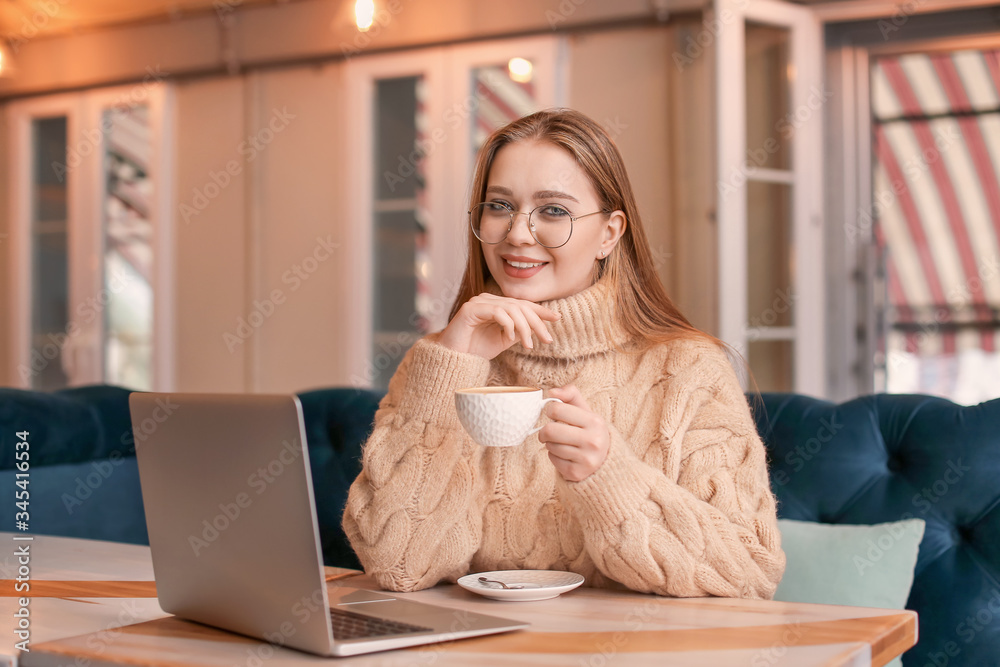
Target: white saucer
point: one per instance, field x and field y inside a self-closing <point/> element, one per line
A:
<point x="534" y="584"/>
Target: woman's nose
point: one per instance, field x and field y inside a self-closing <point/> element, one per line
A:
<point x="520" y="233"/>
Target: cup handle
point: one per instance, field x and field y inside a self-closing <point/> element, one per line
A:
<point x="544" y="401"/>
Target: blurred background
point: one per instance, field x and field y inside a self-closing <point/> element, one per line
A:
<point x="270" y="195"/>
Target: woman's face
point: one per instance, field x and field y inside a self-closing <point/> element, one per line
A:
<point x="529" y="174"/>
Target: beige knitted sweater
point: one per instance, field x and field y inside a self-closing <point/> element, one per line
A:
<point x="680" y="507"/>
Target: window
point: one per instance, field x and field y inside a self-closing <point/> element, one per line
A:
<point x="49" y="239"/>
<point x="914" y="150"/>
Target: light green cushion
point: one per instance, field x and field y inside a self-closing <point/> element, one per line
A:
<point x="859" y="566"/>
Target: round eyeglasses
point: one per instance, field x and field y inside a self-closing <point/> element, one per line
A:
<point x="550" y="225"/>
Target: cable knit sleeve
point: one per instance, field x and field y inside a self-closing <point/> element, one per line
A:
<point x="690" y="514"/>
<point x="414" y="514"/>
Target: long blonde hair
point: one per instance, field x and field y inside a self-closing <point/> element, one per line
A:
<point x="642" y="305"/>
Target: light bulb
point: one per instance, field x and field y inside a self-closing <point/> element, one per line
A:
<point x="520" y="69"/>
<point x="6" y="61"/>
<point x="364" y="14"/>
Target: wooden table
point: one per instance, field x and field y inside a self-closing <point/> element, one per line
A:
<point x="84" y="592"/>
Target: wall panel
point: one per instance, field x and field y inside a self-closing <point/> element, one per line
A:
<point x="211" y="243"/>
<point x="621" y="79"/>
<point x="299" y="222"/>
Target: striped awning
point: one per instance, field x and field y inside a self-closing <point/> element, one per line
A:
<point x="499" y="100"/>
<point x="936" y="124"/>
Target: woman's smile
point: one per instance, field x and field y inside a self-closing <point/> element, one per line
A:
<point x="519" y="266"/>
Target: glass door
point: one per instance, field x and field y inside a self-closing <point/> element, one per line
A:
<point x="769" y="100"/>
<point x="92" y="232"/>
<point x="421" y="117"/>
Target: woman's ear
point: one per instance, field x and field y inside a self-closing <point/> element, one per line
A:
<point x="613" y="230"/>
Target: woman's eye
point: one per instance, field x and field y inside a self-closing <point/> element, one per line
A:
<point x="554" y="211"/>
<point x="498" y="207"/>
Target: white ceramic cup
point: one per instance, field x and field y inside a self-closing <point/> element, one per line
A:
<point x="500" y="416"/>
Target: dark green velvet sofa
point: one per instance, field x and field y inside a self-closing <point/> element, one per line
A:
<point x="84" y="481"/>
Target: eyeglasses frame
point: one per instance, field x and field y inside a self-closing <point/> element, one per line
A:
<point x="531" y="226"/>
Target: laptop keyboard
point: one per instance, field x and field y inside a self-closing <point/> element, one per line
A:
<point x="351" y="625"/>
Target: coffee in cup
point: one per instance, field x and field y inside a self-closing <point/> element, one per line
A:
<point x="500" y="416"/>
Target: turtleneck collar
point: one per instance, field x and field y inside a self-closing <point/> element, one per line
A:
<point x="587" y="326"/>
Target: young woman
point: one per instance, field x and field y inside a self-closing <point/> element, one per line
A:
<point x="649" y="475"/>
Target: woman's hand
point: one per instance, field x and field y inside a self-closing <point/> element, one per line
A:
<point x="577" y="438"/>
<point x="488" y="324"/>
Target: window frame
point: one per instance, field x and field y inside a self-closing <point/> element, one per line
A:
<point x="807" y="332"/>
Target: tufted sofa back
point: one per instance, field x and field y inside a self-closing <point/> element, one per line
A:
<point x="338" y="422"/>
<point x="84" y="477"/>
<point x="84" y="481"/>
<point x="889" y="457"/>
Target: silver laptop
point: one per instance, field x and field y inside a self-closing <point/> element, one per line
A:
<point x="234" y="536"/>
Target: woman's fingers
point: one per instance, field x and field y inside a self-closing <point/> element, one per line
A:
<point x="574" y="463"/>
<point x="569" y="414"/>
<point x="506" y="322"/>
<point x="568" y="453"/>
<point x="538" y="326"/>
<point x="543" y="312"/>
<point x="573" y="409"/>
<point x="538" y="309"/>
<point x="577" y="439"/>
<point x="541" y="316"/>
<point x="571" y="471"/>
<point x="528" y="318"/>
<point x="563" y="434"/>
<point x="517" y="314"/>
<point x="570" y="395"/>
<point x="488" y="324"/>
